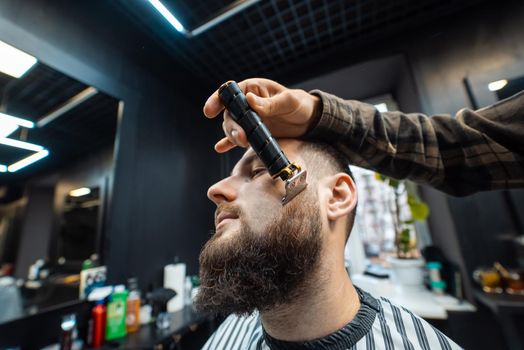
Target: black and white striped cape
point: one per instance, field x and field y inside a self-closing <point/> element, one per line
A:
<point x="379" y="324"/>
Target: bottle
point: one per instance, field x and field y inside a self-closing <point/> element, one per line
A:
<point x="133" y="307"/>
<point x="116" y="313"/>
<point x="87" y="264"/>
<point x="68" y="327"/>
<point x="174" y="278"/>
<point x="187" y="291"/>
<point x="97" y="325"/>
<point x="195" y="280"/>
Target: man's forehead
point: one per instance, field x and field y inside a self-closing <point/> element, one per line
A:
<point x="289" y="146"/>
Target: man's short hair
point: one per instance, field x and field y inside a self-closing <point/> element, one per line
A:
<point x="326" y="160"/>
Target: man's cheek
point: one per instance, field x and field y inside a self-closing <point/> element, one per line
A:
<point x="261" y="214"/>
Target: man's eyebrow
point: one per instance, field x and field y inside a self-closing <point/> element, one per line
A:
<point x="246" y="162"/>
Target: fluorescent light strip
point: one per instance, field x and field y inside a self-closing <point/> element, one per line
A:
<point x="79" y="192"/>
<point x="223" y="15"/>
<point x="3" y="168"/>
<point x="13" y="61"/>
<point x="15" y="120"/>
<point x="27" y="161"/>
<point x="168" y="15"/>
<point x="230" y="11"/>
<point x="67" y="106"/>
<point x="7" y="129"/>
<point x="21" y="144"/>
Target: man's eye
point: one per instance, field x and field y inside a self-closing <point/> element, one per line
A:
<point x="257" y="171"/>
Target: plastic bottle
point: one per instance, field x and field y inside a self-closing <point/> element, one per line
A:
<point x="87" y="264"/>
<point x="97" y="324"/>
<point x="133" y="307"/>
<point x="97" y="327"/>
<point x="68" y="326"/>
<point x="187" y="291"/>
<point x="116" y="314"/>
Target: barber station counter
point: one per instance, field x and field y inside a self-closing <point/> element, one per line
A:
<point x="188" y="330"/>
<point x="420" y="301"/>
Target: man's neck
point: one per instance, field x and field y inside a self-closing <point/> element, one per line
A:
<point x="321" y="310"/>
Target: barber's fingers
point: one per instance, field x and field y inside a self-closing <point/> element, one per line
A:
<point x="279" y="104"/>
<point x="213" y="106"/>
<point x="224" y="145"/>
<point x="233" y="131"/>
<point x="259" y="86"/>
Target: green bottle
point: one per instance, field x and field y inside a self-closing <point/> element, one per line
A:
<point x="116" y="313"/>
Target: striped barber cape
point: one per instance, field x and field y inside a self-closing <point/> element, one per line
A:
<point x="379" y="324"/>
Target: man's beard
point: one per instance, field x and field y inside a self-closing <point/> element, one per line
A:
<point x="261" y="270"/>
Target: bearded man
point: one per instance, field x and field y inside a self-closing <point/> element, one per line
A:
<point x="279" y="270"/>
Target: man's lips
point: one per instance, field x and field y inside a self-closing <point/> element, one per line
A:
<point x="223" y="215"/>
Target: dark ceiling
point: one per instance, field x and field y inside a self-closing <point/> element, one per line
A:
<point x="80" y="132"/>
<point x="279" y="38"/>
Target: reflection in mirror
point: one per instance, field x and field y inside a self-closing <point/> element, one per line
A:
<point x="57" y="140"/>
<point x="77" y="235"/>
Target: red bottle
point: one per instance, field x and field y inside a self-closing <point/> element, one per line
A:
<point x="97" y="331"/>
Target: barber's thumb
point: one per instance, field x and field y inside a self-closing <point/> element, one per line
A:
<point x="240" y="138"/>
<point x="261" y="105"/>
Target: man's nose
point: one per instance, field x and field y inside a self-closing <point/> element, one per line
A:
<point x="222" y="191"/>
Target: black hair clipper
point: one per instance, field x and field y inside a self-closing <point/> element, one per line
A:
<point x="260" y="139"/>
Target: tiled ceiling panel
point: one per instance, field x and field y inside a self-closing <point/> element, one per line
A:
<point x="272" y="36"/>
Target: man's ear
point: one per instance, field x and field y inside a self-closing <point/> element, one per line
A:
<point x="342" y="196"/>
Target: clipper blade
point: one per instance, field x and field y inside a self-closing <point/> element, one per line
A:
<point x="294" y="186"/>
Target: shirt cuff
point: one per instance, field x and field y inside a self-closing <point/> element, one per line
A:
<point x="333" y="122"/>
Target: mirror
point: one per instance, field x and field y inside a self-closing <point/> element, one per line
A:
<point x="57" y="139"/>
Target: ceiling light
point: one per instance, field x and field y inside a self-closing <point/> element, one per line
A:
<point x="3" y="168"/>
<point x="497" y="85"/>
<point x="223" y="15"/>
<point x="13" y="61"/>
<point x="218" y="18"/>
<point x="74" y="101"/>
<point x="7" y="129"/>
<point x="8" y="124"/>
<point x="27" y="161"/>
<point x="14" y="120"/>
<point x="168" y="15"/>
<point x="21" y="144"/>
<point x="79" y="192"/>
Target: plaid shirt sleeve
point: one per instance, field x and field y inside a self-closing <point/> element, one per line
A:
<point x="475" y="151"/>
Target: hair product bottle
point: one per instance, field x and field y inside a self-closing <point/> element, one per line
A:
<point x="133" y="306"/>
<point x="97" y="327"/>
<point x="116" y="314"/>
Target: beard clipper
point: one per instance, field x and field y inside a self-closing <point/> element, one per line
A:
<point x="262" y="142"/>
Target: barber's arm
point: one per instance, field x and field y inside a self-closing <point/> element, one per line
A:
<point x="475" y="151"/>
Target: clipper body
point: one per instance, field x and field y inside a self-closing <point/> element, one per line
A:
<point x="262" y="142"/>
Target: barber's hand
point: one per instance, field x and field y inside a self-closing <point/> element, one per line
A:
<point x="286" y="112"/>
